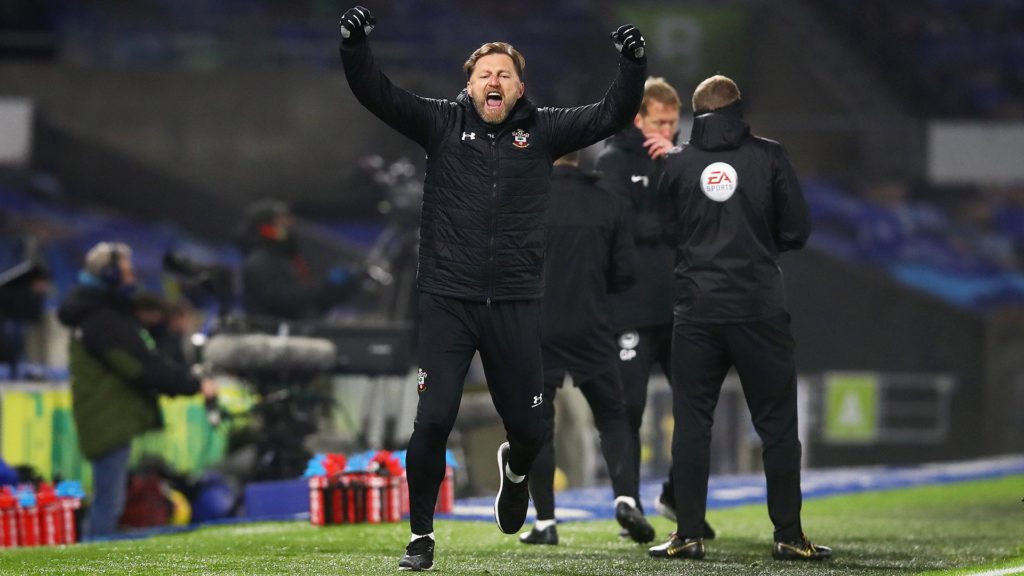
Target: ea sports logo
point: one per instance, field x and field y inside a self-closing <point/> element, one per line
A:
<point x="718" y="181"/>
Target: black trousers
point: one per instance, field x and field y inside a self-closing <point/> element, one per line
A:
<point x="507" y="334"/>
<point x="604" y="395"/>
<point x="762" y="353"/>
<point x="639" y="351"/>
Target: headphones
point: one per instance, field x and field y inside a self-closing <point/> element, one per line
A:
<point x="110" y="274"/>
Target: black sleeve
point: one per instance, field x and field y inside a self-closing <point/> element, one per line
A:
<point x="125" y="347"/>
<point x="420" y="119"/>
<point x="669" y="188"/>
<point x="622" y="269"/>
<point x="571" y="129"/>
<point x="792" y="220"/>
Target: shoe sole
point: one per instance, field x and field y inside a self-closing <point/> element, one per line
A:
<point x="501" y="488"/>
<point x="404" y="569"/>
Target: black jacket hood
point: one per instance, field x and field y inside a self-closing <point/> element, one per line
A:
<point x="722" y="129"/>
<point x="84" y="300"/>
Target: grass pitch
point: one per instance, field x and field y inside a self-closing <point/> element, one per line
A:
<point x="952" y="529"/>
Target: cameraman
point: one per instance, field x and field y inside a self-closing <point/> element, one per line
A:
<point x="117" y="373"/>
<point x="276" y="279"/>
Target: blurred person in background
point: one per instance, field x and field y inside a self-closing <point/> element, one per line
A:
<point x="277" y="281"/>
<point x="589" y="255"/>
<point x="736" y="205"/>
<point x="481" y="260"/>
<point x="641" y="316"/>
<point x="169" y="323"/>
<point x="117" y="374"/>
<point x="23" y="291"/>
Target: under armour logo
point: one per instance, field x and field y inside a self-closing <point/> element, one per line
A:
<point x="469" y="135"/>
<point x="639" y="178"/>
<point x="538" y="400"/>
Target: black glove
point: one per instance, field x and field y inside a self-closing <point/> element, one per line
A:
<point x="356" y="24"/>
<point x="629" y="42"/>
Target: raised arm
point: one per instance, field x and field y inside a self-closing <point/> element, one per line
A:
<point x="579" y="127"/>
<point x="418" y="118"/>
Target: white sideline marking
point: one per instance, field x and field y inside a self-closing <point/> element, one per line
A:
<point x="1000" y="572"/>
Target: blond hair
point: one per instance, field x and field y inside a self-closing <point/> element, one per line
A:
<point x="658" y="90"/>
<point x="105" y="254"/>
<point x="496" y="48"/>
<point x="715" y="92"/>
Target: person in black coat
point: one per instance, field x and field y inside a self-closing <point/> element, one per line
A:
<point x="641" y="317"/>
<point x="277" y="282"/>
<point x="589" y="254"/>
<point x="481" y="260"/>
<point x="736" y="204"/>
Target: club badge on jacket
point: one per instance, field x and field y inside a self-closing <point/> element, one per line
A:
<point x="520" y="138"/>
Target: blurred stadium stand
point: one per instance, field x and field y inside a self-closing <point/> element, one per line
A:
<point x="157" y="122"/>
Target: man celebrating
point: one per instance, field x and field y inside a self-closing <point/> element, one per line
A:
<point x="737" y="204"/>
<point x="482" y="238"/>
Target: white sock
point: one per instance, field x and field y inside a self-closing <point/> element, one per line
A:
<point x="543" y="524"/>
<point x="418" y="536"/>
<point x="627" y="499"/>
<point x="515" y="478"/>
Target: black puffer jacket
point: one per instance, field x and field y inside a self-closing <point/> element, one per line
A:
<point x="737" y="205"/>
<point x="628" y="170"/>
<point x="485" y="195"/>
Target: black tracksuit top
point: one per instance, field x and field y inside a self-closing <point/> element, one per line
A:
<point x="590" y="254"/>
<point x="628" y="170"/>
<point x="727" y="252"/>
<point x="485" y="194"/>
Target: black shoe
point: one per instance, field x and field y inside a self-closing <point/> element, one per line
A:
<point x="547" y="536"/>
<point x="676" y="547"/>
<point x="419" y="555"/>
<point x="802" y="549"/>
<point x="632" y="519"/>
<point x="668" y="510"/>
<point x="513" y="498"/>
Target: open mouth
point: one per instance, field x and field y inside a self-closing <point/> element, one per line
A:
<point x="494" y="100"/>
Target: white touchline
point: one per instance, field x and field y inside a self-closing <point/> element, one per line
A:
<point x="1000" y="572"/>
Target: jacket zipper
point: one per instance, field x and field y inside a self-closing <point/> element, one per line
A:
<point x="493" y="218"/>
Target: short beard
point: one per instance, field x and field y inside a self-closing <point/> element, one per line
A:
<point x="481" y="109"/>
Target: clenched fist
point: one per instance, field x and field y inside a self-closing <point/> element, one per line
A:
<point x="356" y="24"/>
<point x="629" y="42"/>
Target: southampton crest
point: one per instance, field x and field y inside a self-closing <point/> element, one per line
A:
<point x="520" y="138"/>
